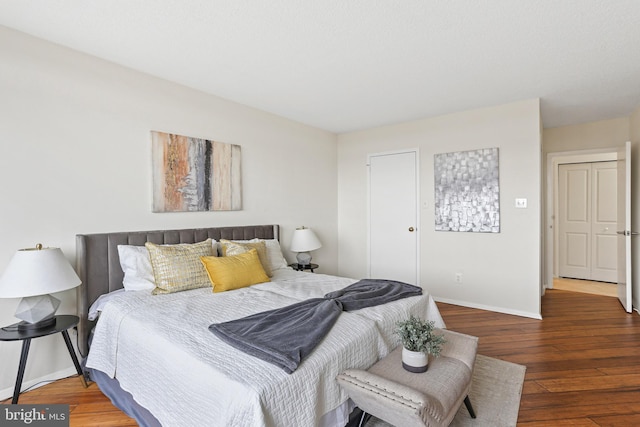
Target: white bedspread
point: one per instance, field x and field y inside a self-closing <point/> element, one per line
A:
<point x="161" y="351"/>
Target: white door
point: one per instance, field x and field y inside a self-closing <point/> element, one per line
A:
<point x="604" y="260"/>
<point x="393" y="217"/>
<point x="587" y="221"/>
<point x="624" y="226"/>
<point x="574" y="208"/>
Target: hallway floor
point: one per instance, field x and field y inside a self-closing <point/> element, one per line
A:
<point x="585" y="286"/>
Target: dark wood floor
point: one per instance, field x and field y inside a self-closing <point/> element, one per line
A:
<point x="582" y="359"/>
<point x="583" y="364"/>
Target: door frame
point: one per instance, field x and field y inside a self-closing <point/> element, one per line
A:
<point x="551" y="236"/>
<point x="625" y="263"/>
<point x="418" y="230"/>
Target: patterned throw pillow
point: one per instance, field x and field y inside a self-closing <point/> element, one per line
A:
<point x="235" y="271"/>
<point x="230" y="247"/>
<point x="177" y="267"/>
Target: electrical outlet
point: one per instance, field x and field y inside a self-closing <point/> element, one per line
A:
<point x="458" y="277"/>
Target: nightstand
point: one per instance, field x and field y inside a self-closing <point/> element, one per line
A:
<point x="62" y="324"/>
<point x="300" y="267"/>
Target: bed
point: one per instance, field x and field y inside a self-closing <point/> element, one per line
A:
<point x="160" y="353"/>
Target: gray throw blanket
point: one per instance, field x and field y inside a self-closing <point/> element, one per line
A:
<point x="287" y="335"/>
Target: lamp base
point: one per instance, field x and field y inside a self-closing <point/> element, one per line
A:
<point x="43" y="324"/>
<point x="303" y="258"/>
<point x="37" y="308"/>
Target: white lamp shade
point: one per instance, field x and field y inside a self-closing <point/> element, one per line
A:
<point x="304" y="240"/>
<point x="37" y="272"/>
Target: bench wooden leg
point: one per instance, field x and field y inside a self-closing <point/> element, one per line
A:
<point x="467" y="403"/>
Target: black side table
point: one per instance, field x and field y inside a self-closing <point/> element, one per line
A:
<point x="302" y="267"/>
<point x="11" y="333"/>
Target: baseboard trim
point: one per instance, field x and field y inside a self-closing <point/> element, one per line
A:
<point x="54" y="376"/>
<point x="489" y="308"/>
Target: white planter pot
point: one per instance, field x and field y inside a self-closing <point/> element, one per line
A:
<point x="414" y="361"/>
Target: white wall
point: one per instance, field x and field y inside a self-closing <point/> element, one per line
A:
<point x="501" y="271"/>
<point x="586" y="136"/>
<point x="76" y="158"/>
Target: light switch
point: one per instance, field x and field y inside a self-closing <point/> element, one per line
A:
<point x="521" y="203"/>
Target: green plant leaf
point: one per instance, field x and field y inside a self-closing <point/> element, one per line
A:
<point x="418" y="335"/>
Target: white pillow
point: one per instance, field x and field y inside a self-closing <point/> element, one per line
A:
<point x="136" y="265"/>
<point x="274" y="253"/>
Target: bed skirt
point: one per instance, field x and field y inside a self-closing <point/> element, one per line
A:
<point x="123" y="400"/>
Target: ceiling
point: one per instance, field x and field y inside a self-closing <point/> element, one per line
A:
<point x="344" y="65"/>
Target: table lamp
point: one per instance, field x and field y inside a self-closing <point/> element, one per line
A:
<point x="303" y="241"/>
<point x="32" y="275"/>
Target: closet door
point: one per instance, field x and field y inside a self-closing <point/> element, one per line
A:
<point x="574" y="197"/>
<point x="603" y="227"/>
<point x="393" y="217"/>
<point x="587" y="221"/>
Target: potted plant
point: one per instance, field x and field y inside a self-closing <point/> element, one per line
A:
<point x="419" y="340"/>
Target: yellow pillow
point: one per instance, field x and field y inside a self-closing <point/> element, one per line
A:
<point x="177" y="267"/>
<point x="234" y="272"/>
<point x="230" y="247"/>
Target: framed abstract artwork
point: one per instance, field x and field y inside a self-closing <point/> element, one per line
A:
<point x="195" y="174"/>
<point x="467" y="191"/>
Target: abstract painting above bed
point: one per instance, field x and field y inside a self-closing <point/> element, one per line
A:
<point x="195" y="174"/>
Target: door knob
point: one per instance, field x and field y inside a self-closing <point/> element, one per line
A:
<point x="628" y="233"/>
<point x="411" y="229"/>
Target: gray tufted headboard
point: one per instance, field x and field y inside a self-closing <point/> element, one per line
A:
<point x="98" y="264"/>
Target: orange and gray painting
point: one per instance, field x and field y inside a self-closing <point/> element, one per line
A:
<point x="194" y="174"/>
